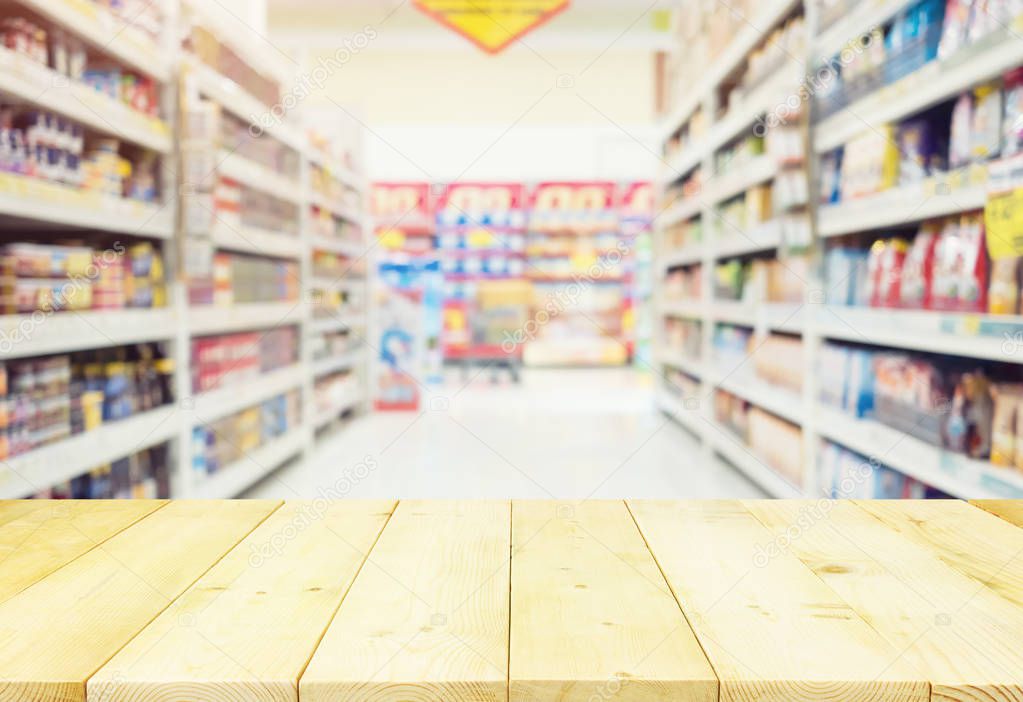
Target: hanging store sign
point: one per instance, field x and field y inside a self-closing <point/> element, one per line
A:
<point x="492" y="24"/>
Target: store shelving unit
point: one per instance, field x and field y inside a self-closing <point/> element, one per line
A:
<point x="976" y="336"/>
<point x="33" y="205"/>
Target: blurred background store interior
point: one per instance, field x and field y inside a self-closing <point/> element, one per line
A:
<point x="563" y="249"/>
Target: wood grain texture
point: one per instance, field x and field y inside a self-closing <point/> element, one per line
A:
<point x="39" y="536"/>
<point x="974" y="542"/>
<point x="248" y="627"/>
<point x="592" y="617"/>
<point x="773" y="631"/>
<point x="965" y="639"/>
<point x="427" y="618"/>
<point x="61" y="630"/>
<point x="1009" y="510"/>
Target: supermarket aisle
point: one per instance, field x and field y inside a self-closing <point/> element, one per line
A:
<point x="565" y="434"/>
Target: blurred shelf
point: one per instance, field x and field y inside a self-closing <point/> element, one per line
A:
<point x="258" y="177"/>
<point x="31" y="82"/>
<point x="909" y="204"/>
<point x="762" y="237"/>
<point x="955" y="474"/>
<point x="731" y="448"/>
<point x="689" y="309"/>
<point x="239" y="102"/>
<point x="336" y="208"/>
<point x="232" y="480"/>
<point x="43" y="203"/>
<point x="675" y="407"/>
<point x="683" y="257"/>
<point x="757" y="102"/>
<point x="211" y="405"/>
<point x="337" y="363"/>
<point x="340" y="322"/>
<point x="780" y="317"/>
<point x="777" y="400"/>
<point x="863" y="18"/>
<point x="757" y="30"/>
<point x="106" y="33"/>
<point x="936" y="82"/>
<point x="54" y="464"/>
<point x="352" y="249"/>
<point x="343" y="173"/>
<point x="261" y="242"/>
<point x="678" y="361"/>
<point x="206" y="320"/>
<point x="743" y="177"/>
<point x="987" y="336"/>
<point x="325" y="417"/>
<point x="26" y="335"/>
<point x="681" y="211"/>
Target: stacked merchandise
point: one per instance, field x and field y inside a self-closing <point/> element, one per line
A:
<point x="75" y="277"/>
<point x="965" y="407"/>
<point x="336" y="393"/>
<point x="683" y="284"/>
<point x="480" y="237"/>
<point x="777" y="442"/>
<point x="338" y="283"/>
<point x="581" y="265"/>
<point x="239" y="279"/>
<point x="142" y="476"/>
<point x="233" y="359"/>
<point x="50" y="149"/>
<point x="29" y="45"/>
<point x="46" y="400"/>
<point x="638" y="205"/>
<point x="944" y="267"/>
<point x="920" y="33"/>
<point x="776" y="359"/>
<point x="335" y="344"/>
<point x="235" y="205"/>
<point x="216" y="53"/>
<point x="773" y="280"/>
<point x="847" y="475"/>
<point x="218" y="445"/>
<point x="683" y="339"/>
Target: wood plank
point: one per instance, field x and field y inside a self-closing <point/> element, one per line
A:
<point x="964" y="638"/>
<point x="62" y="629"/>
<point x="248" y="627"/>
<point x="772" y="630"/>
<point x="974" y="542"/>
<point x="592" y="617"/>
<point x="427" y="618"/>
<point x="55" y="532"/>
<point x="1009" y="510"/>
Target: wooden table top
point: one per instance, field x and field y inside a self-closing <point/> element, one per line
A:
<point x="491" y="600"/>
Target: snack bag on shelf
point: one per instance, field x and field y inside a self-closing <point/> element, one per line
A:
<point x="973" y="286"/>
<point x="1004" y="290"/>
<point x="948" y="257"/>
<point x="960" y="135"/>
<point x="1007" y="399"/>
<point x="986" y="125"/>
<point x="918" y="270"/>
<point x="1012" y="117"/>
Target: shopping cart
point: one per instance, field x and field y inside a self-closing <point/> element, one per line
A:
<point x="497" y="321"/>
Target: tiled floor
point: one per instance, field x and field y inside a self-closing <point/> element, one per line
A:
<point x="568" y="434"/>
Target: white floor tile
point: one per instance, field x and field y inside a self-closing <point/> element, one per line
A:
<point x="561" y="434"/>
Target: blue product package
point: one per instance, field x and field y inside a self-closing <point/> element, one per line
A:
<point x="859" y="394"/>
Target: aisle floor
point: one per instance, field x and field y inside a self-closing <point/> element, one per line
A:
<point x="560" y="434"/>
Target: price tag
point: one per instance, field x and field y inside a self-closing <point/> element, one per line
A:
<point x="1003" y="219"/>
